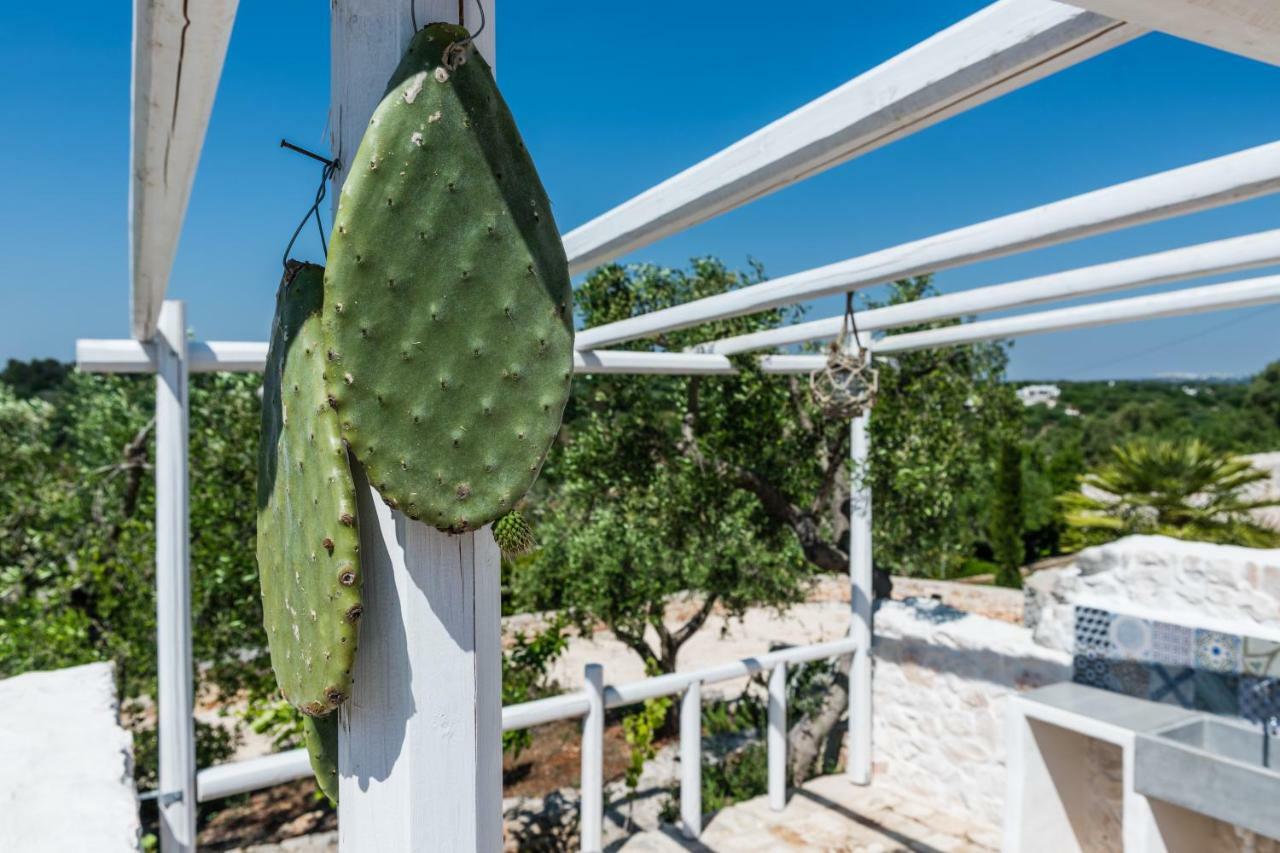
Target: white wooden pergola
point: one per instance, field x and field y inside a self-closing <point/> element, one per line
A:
<point x="422" y="772"/>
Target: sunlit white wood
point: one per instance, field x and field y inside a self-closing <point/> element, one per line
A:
<point x="997" y="50"/>
<point x="253" y="774"/>
<point x="173" y="586"/>
<point x="526" y="715"/>
<point x="1221" y="256"/>
<point x="861" y="586"/>
<point x="591" y="820"/>
<point x="1248" y="27"/>
<point x="691" y="761"/>
<point x="178" y="50"/>
<point x="777" y="737"/>
<point x="129" y="356"/>
<point x="1194" y="300"/>
<point x="1222" y="180"/>
<point x="420" y="739"/>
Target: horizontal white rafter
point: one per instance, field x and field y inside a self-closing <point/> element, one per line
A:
<point x="1211" y="183"/>
<point x="178" y="51"/>
<point x="1247" y="27"/>
<point x="1220" y="256"/>
<point x="129" y="356"/>
<point x="1194" y="300"/>
<point x="999" y="49"/>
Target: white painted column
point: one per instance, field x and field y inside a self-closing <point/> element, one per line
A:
<point x="860" y="582"/>
<point x="177" y="735"/>
<point x="420" y="740"/>
<point x="591" y="798"/>
<point x="691" y="761"/>
<point x="778" y="738"/>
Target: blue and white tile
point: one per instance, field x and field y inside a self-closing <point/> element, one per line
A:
<point x="1173" y="685"/>
<point x="1093" y="630"/>
<point x="1259" y="698"/>
<point x="1172" y="645"/>
<point x="1091" y="670"/>
<point x="1217" y="652"/>
<point x="1217" y="692"/>
<point x="1260" y="658"/>
<point x="1131" y="638"/>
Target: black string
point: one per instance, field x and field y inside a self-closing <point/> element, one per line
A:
<point x="326" y="174"/>
<point x="850" y="318"/>
<point x="413" y="16"/>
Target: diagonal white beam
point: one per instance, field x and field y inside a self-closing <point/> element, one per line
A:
<point x="1194" y="300"/>
<point x="999" y="49"/>
<point x="178" y="51"/>
<point x="1221" y="256"/>
<point x="1247" y="27"/>
<point x="1223" y="180"/>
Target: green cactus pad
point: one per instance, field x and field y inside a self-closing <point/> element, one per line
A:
<point x="308" y="560"/>
<point x="447" y="311"/>
<point x="514" y="535"/>
<point x="322" y="747"/>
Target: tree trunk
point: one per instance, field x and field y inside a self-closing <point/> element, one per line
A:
<point x="815" y="737"/>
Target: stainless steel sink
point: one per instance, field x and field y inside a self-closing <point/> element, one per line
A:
<point x="1214" y="766"/>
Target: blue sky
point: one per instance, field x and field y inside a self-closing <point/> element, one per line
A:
<point x="611" y="98"/>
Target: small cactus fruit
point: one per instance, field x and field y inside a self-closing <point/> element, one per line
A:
<point x="514" y="535"/>
<point x="308" y="547"/>
<point x="322" y="747"/>
<point x="447" y="309"/>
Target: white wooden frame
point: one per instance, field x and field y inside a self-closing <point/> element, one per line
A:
<point x="1247" y="27"/>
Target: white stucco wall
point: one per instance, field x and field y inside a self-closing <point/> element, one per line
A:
<point x="1180" y="579"/>
<point x="941" y="680"/>
<point x="66" y="765"/>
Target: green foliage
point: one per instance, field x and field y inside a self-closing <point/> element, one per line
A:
<point x="1263" y="394"/>
<point x="1006" y="514"/>
<point x="640" y="729"/>
<point x="1181" y="489"/>
<point x="524" y="673"/>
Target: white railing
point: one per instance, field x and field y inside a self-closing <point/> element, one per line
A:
<point x="590" y="704"/>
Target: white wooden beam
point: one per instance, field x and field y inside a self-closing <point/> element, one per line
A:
<point x="1247" y="27"/>
<point x="997" y="50"/>
<point x="1221" y="256"/>
<point x="1222" y="180"/>
<point x="1194" y="300"/>
<point x="861" y="599"/>
<point x="129" y="356"/>
<point x="175" y="672"/>
<point x="420" y="739"/>
<point x="178" y="51"/>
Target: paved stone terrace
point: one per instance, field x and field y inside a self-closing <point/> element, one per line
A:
<point x="827" y="815"/>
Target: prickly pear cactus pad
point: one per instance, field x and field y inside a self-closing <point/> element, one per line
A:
<point x="447" y="311"/>
<point x="308" y="560"/>
<point x="322" y="746"/>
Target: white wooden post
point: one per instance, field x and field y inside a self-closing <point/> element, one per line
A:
<point x="591" y="799"/>
<point x="177" y="794"/>
<point x="860" y="583"/>
<point x="691" y="761"/>
<point x="778" y="738"/>
<point x="420" y="742"/>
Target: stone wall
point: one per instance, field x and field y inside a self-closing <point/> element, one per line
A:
<point x="941" y="679"/>
<point x="1192" y="579"/>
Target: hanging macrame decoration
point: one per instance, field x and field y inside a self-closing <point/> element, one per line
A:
<point x="846" y="386"/>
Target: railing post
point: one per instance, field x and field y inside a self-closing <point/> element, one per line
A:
<point x="861" y="592"/>
<point x="173" y="587"/>
<point x="691" y="761"/>
<point x="778" y="738"/>
<point x="591" y="800"/>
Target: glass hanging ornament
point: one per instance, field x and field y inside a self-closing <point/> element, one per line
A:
<point x="846" y="386"/>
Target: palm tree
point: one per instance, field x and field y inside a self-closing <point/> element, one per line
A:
<point x="1182" y="489"/>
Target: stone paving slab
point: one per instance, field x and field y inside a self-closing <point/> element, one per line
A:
<point x="828" y="815"/>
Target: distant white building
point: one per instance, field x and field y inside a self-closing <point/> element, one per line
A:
<point x="1039" y="395"/>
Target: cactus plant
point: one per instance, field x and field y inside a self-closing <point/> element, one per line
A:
<point x="322" y="747"/>
<point x="447" y="309"/>
<point x="514" y="535"/>
<point x="308" y="544"/>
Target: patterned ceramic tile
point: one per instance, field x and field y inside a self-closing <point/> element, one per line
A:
<point x="1173" y="685"/>
<point x="1217" y="652"/>
<point x="1217" y="692"/>
<point x="1090" y="670"/>
<point x="1130" y="677"/>
<point x="1131" y="637"/>
<point x="1260" y="657"/>
<point x="1093" y="630"/>
<point x="1259" y="698"/>
<point x="1172" y="645"/>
